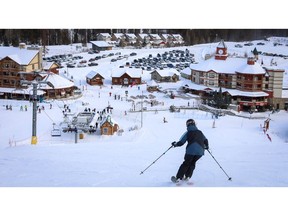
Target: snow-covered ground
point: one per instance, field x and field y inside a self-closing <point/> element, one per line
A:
<point x="238" y="144"/>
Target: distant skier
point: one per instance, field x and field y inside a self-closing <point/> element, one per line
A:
<point x="197" y="142"/>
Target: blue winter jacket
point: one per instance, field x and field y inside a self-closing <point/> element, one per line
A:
<point x="197" y="142"/>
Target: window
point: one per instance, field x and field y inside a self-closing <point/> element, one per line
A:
<point x="125" y="81"/>
<point x="105" y="131"/>
<point x="211" y="75"/>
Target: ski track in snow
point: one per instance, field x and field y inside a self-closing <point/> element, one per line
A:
<point x="238" y="144"/>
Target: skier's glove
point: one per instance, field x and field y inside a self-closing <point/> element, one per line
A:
<point x="174" y="144"/>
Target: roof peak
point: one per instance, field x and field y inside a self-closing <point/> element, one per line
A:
<point x="222" y="44"/>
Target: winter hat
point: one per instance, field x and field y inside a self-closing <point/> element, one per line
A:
<point x="190" y="122"/>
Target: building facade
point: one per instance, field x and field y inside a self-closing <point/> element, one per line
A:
<point x="18" y="59"/>
<point x="94" y="78"/>
<point x="126" y="76"/>
<point x="251" y="84"/>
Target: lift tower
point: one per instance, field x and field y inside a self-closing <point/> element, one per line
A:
<point x="34" y="84"/>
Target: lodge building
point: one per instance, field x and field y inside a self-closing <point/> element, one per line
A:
<point x="21" y="63"/>
<point x="250" y="83"/>
<point x="126" y="76"/>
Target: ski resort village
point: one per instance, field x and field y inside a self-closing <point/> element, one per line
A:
<point x="104" y="114"/>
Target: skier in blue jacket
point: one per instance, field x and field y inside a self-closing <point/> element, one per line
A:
<point x="197" y="143"/>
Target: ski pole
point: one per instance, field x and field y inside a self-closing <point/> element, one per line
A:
<point x="156" y="160"/>
<point x="229" y="178"/>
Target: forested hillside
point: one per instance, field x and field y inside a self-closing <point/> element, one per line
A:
<point x="191" y="36"/>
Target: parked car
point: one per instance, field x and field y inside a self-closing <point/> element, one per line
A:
<point x="93" y="64"/>
<point x="248" y="44"/>
<point x="81" y="65"/>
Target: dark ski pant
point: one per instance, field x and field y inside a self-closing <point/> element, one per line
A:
<point x="188" y="166"/>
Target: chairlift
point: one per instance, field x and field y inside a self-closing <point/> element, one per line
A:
<point x="55" y="131"/>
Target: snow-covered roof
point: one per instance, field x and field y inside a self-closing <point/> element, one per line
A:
<point x="101" y="43"/>
<point x="132" y="36"/>
<point x="21" y="91"/>
<point x="107" y="35"/>
<point x="155" y="36"/>
<point x="21" y="56"/>
<point x="177" y="36"/>
<point x="250" y="69"/>
<point x="108" y="119"/>
<point x="186" y="70"/>
<point x="229" y="66"/>
<point x="92" y="74"/>
<point x="232" y="92"/>
<point x="166" y="36"/>
<point x="235" y="92"/>
<point x="57" y="81"/>
<point x="132" y="72"/>
<point x="143" y="35"/>
<point x="195" y="86"/>
<point x="152" y="83"/>
<point x="167" y="72"/>
<point x="47" y="65"/>
<point x="118" y="35"/>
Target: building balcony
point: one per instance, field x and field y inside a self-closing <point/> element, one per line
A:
<point x="247" y="88"/>
<point x="248" y="81"/>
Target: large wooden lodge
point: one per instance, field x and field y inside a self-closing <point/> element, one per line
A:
<point x="21" y="63"/>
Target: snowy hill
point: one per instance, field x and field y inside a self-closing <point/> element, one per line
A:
<point x="238" y="143"/>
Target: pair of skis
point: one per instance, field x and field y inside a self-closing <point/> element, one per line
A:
<point x="179" y="182"/>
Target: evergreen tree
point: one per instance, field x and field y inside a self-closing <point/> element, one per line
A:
<point x="219" y="100"/>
